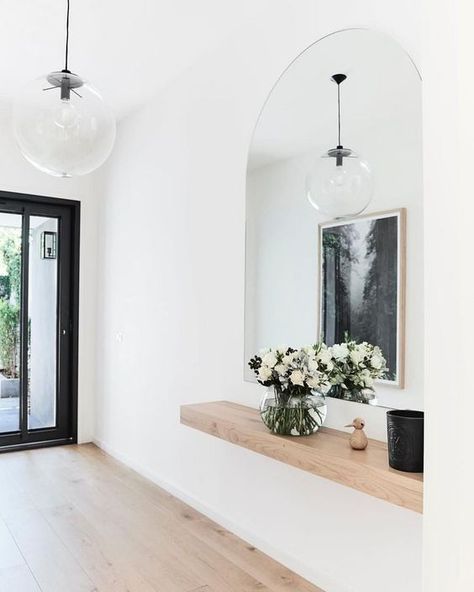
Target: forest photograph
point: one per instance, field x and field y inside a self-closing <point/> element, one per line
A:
<point x="360" y="284"/>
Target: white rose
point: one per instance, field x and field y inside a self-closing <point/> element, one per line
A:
<point x="324" y="356"/>
<point x="340" y="351"/>
<point x="269" y="359"/>
<point x="288" y="359"/>
<point x="264" y="373"/>
<point x="366" y="378"/>
<point x="368" y="381"/>
<point x="356" y="356"/>
<point x="281" y="369"/>
<point x="297" y="378"/>
<point x="313" y="382"/>
<point x="377" y="361"/>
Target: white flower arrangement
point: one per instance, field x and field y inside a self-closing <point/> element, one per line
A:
<point x="356" y="367"/>
<point x="298" y="378"/>
<point x="346" y="369"/>
<point x="297" y="372"/>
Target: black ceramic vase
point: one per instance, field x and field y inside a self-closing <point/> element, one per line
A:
<point x="405" y="432"/>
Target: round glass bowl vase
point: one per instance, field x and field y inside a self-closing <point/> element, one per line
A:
<point x="291" y="415"/>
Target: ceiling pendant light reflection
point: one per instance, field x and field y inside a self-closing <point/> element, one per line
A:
<point x="340" y="185"/>
<point x="61" y="123"/>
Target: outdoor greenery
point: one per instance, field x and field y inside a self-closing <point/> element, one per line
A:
<point x="5" y="287"/>
<point x="10" y="283"/>
<point x="10" y="251"/>
<point x="9" y="338"/>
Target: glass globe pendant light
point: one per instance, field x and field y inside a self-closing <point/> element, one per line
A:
<point x="61" y="124"/>
<point x="340" y="184"/>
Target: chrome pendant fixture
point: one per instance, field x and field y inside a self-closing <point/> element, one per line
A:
<point x="61" y="123"/>
<point x="340" y="184"/>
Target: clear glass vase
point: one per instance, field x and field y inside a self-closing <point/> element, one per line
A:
<point x="292" y="415"/>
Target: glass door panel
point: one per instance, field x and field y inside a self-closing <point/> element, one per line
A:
<point x="39" y="273"/>
<point x="10" y="301"/>
<point x="42" y="321"/>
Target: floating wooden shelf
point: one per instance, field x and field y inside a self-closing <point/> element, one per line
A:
<point x="326" y="453"/>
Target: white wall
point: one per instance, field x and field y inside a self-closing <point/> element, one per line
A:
<point x="18" y="175"/>
<point x="170" y="310"/>
<point x="449" y="144"/>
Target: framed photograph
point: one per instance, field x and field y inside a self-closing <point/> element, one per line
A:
<point x="362" y="284"/>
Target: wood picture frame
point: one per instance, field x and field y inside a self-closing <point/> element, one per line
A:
<point x="365" y="308"/>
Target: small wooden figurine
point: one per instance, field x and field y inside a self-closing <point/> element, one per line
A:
<point x="358" y="439"/>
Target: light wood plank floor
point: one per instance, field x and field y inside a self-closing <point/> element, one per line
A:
<point x="72" y="519"/>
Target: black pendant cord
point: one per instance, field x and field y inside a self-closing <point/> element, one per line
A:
<point x="338" y="79"/>
<point x="65" y="80"/>
<point x="339" y="115"/>
<point x="66" y="57"/>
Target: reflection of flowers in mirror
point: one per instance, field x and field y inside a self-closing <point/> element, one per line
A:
<point x="357" y="365"/>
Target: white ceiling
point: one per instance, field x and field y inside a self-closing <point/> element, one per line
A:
<point x="381" y="96"/>
<point x="128" y="50"/>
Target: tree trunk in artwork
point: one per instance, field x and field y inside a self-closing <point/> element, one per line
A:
<point x="337" y="260"/>
<point x="380" y="291"/>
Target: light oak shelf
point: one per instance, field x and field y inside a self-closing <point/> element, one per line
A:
<point x="326" y="453"/>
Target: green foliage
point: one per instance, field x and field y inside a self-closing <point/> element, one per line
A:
<point x="11" y="252"/>
<point x="5" y="289"/>
<point x="10" y="286"/>
<point x="9" y="337"/>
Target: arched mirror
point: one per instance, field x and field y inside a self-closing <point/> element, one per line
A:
<point x="311" y="276"/>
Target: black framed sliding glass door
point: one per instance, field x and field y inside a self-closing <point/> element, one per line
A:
<point x="39" y="244"/>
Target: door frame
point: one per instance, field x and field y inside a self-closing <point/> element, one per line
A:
<point x="74" y="207"/>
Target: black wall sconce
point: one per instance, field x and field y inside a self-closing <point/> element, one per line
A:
<point x="48" y="245"/>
